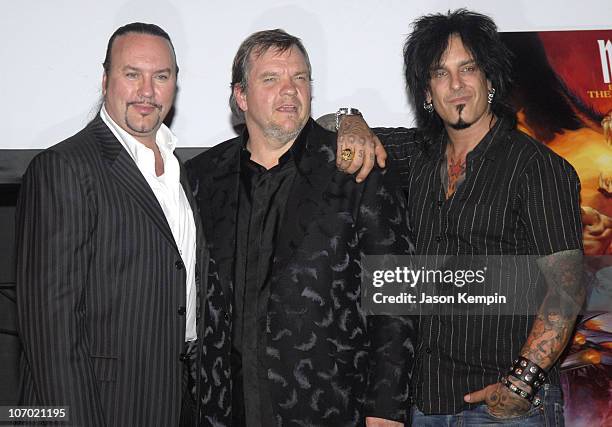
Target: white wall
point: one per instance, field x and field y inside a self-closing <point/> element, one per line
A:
<point x="51" y="52"/>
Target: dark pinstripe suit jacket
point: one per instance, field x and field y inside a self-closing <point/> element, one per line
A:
<point x="317" y="347"/>
<point x="100" y="287"/>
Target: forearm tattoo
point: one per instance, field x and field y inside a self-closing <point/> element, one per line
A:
<point x="557" y="314"/>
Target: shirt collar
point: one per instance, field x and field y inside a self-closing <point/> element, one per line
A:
<point x="295" y="152"/>
<point x="488" y="145"/>
<point x="164" y="138"/>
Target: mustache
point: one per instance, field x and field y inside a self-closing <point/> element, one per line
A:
<point x="152" y="104"/>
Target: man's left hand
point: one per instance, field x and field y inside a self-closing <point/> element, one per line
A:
<point x="502" y="402"/>
<point x="381" y="422"/>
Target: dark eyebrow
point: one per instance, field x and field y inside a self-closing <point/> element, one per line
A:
<point x="468" y="62"/>
<point x="461" y="64"/>
<point x="163" y="70"/>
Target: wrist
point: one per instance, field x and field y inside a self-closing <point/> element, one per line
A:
<point x="525" y="379"/>
<point x="520" y="384"/>
<point x="343" y="112"/>
<point x="528" y="372"/>
<point x="529" y="396"/>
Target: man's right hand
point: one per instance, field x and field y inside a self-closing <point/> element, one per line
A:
<point x="355" y="134"/>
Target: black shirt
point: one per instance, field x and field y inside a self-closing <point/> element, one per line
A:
<point x="262" y="199"/>
<point x="518" y="198"/>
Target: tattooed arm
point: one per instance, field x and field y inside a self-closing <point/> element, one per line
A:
<point x="551" y="330"/>
<point x="557" y="314"/>
<point x="549" y="198"/>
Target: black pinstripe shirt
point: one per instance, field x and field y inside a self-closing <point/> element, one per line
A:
<point x="518" y="198"/>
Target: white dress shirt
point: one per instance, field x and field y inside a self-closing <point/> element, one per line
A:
<point x="172" y="199"/>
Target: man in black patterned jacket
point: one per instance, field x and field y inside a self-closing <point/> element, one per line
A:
<point x="287" y="234"/>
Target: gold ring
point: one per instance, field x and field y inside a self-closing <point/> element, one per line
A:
<point x="347" y="154"/>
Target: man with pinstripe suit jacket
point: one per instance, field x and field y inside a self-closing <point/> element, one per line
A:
<point x="112" y="261"/>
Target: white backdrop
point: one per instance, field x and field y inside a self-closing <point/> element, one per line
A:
<point x="52" y="50"/>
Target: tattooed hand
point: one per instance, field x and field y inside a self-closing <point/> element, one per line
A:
<point x="355" y="134"/>
<point x="502" y="403"/>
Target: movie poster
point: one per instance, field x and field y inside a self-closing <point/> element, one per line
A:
<point x="563" y="94"/>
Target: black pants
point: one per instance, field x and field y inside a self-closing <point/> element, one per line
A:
<point x="189" y="411"/>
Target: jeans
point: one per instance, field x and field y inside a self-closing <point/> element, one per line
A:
<point x="548" y="414"/>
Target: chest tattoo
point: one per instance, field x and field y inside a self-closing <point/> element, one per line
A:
<point x="455" y="175"/>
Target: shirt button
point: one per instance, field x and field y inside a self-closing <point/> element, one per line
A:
<point x="428" y="350"/>
<point x="182" y="357"/>
<point x="440" y="203"/>
<point x="179" y="265"/>
<point x="438" y="239"/>
<point x="181" y="310"/>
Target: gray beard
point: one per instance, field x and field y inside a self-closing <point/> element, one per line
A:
<point x="280" y="135"/>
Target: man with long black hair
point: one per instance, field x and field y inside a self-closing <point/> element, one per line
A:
<point x="478" y="186"/>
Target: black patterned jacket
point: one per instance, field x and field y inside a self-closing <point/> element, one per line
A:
<point x="327" y="364"/>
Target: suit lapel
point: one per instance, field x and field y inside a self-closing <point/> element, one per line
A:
<point x="129" y="178"/>
<point x="202" y="256"/>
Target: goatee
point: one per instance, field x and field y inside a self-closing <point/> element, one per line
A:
<point x="461" y="124"/>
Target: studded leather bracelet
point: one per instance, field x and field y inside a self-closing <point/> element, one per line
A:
<point x="530" y="373"/>
<point x="530" y="397"/>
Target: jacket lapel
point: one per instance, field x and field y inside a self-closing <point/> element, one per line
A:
<point x="222" y="210"/>
<point x="202" y="254"/>
<point x="200" y="236"/>
<point x="129" y="178"/>
<point x="316" y="169"/>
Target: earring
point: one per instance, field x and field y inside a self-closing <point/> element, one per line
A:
<point x="491" y="95"/>
<point x="428" y="106"/>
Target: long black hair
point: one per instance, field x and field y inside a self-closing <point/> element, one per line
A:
<point x="427" y="43"/>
